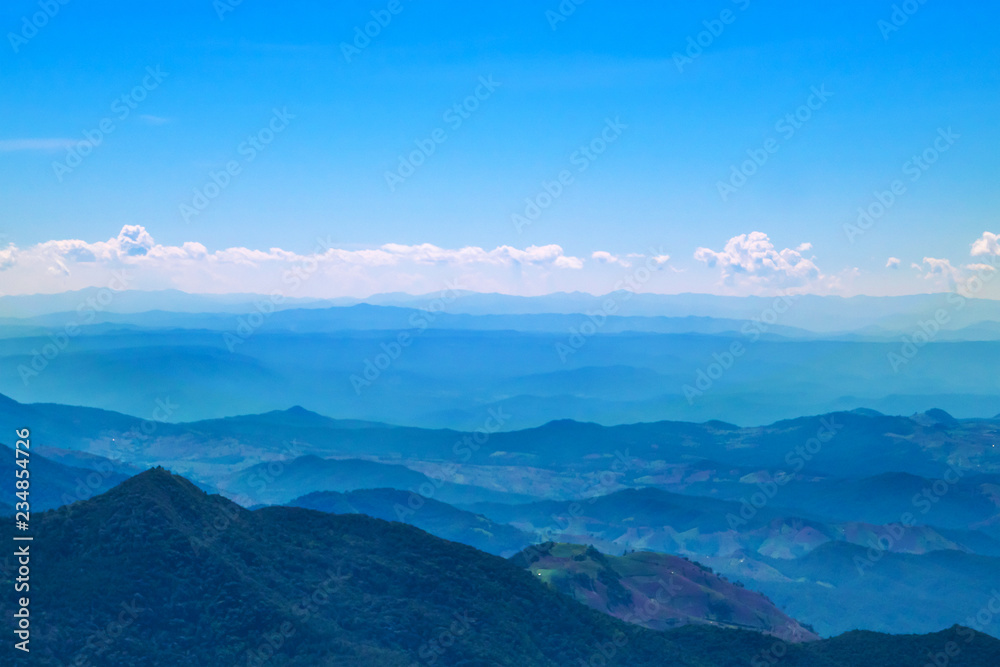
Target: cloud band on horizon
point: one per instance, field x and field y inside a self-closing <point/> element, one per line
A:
<point x="747" y="264"/>
<point x="63" y="265"/>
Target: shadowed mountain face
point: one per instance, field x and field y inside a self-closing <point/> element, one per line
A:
<point x="836" y="577"/>
<point x="841" y="586"/>
<point x="202" y="581"/>
<point x="657" y="591"/>
<point x="280" y="482"/>
<point x="437" y="518"/>
<point x="194" y="579"/>
<point x="753" y="504"/>
<point x="61" y="484"/>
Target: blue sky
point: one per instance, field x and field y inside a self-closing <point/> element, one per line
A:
<point x="346" y="120"/>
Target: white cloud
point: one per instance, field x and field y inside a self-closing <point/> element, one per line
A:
<point x="944" y="273"/>
<point x="751" y="261"/>
<point x="604" y="257"/>
<point x="135" y="240"/>
<point x="980" y="268"/>
<point x="651" y="262"/>
<point x="892" y="263"/>
<point x="563" y="262"/>
<point x="72" y="264"/>
<point x="135" y="245"/>
<point x="987" y="244"/>
<point x="933" y="267"/>
<point x="7" y="257"/>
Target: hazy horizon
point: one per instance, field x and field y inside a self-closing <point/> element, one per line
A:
<point x="748" y="265"/>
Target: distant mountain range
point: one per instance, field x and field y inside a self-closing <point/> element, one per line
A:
<point x="194" y="579"/>
<point x="279" y="483"/>
<point x="679" y="454"/>
<point x="366" y="317"/>
<point x="826" y="314"/>
<point x="806" y="511"/>
<point x="447" y="370"/>
<point x="607" y="440"/>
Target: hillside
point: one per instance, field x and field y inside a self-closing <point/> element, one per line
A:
<point x="840" y="587"/>
<point x="435" y="517"/>
<point x="657" y="591"/>
<point x="195" y="579"/>
<point x="920" y="581"/>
